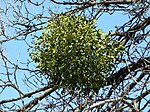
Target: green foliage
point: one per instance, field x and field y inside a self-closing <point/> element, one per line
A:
<point x="74" y="53"/>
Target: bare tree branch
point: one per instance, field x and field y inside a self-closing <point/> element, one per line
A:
<point x="34" y="102"/>
<point x="119" y="76"/>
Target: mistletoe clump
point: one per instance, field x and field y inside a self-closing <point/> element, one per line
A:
<point x="74" y="53"/>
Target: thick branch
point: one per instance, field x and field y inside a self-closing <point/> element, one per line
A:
<point x="34" y="102"/>
<point x="103" y="102"/>
<point x="119" y="76"/>
<point x="109" y="101"/>
<point x="26" y="95"/>
<point x="92" y="2"/>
